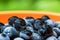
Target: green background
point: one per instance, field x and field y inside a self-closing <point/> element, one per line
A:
<point x="40" y="5"/>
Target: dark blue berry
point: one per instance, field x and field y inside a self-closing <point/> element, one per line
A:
<point x="11" y="20"/>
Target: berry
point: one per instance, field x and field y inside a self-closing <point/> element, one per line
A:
<point x="19" y="24"/>
<point x="48" y="32"/>
<point x="38" y="24"/>
<point x="55" y="34"/>
<point x="59" y="38"/>
<point x="36" y="36"/>
<point x="30" y="29"/>
<point x="11" y="20"/>
<point x="29" y="19"/>
<point x="11" y="32"/>
<point x="50" y="23"/>
<point x="18" y="38"/>
<point x="23" y="35"/>
<point x="51" y="38"/>
<point x="57" y="30"/>
<point x="45" y="17"/>
<point x="1" y="27"/>
<point x="4" y="37"/>
<point x="58" y="25"/>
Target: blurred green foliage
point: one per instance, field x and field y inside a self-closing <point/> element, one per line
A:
<point x="44" y="5"/>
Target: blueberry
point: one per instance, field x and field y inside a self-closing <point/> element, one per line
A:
<point x="29" y="24"/>
<point x="1" y="24"/>
<point x="48" y="32"/>
<point x="19" y="24"/>
<point x="30" y="29"/>
<point x="58" y="25"/>
<point x="51" y="38"/>
<point x="36" y="36"/>
<point x="10" y="31"/>
<point x="50" y="23"/>
<point x="57" y="30"/>
<point x="24" y="36"/>
<point x="45" y="17"/>
<point x="30" y="19"/>
<point x="38" y="24"/>
<point x="11" y="20"/>
<point x="41" y="31"/>
<point x="55" y="34"/>
<point x="1" y="27"/>
<point x="4" y="37"/>
<point x="59" y="38"/>
<point x="18" y="38"/>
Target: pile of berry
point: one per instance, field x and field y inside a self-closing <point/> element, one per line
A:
<point x="29" y="28"/>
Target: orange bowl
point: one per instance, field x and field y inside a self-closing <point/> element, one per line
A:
<point x="4" y="15"/>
